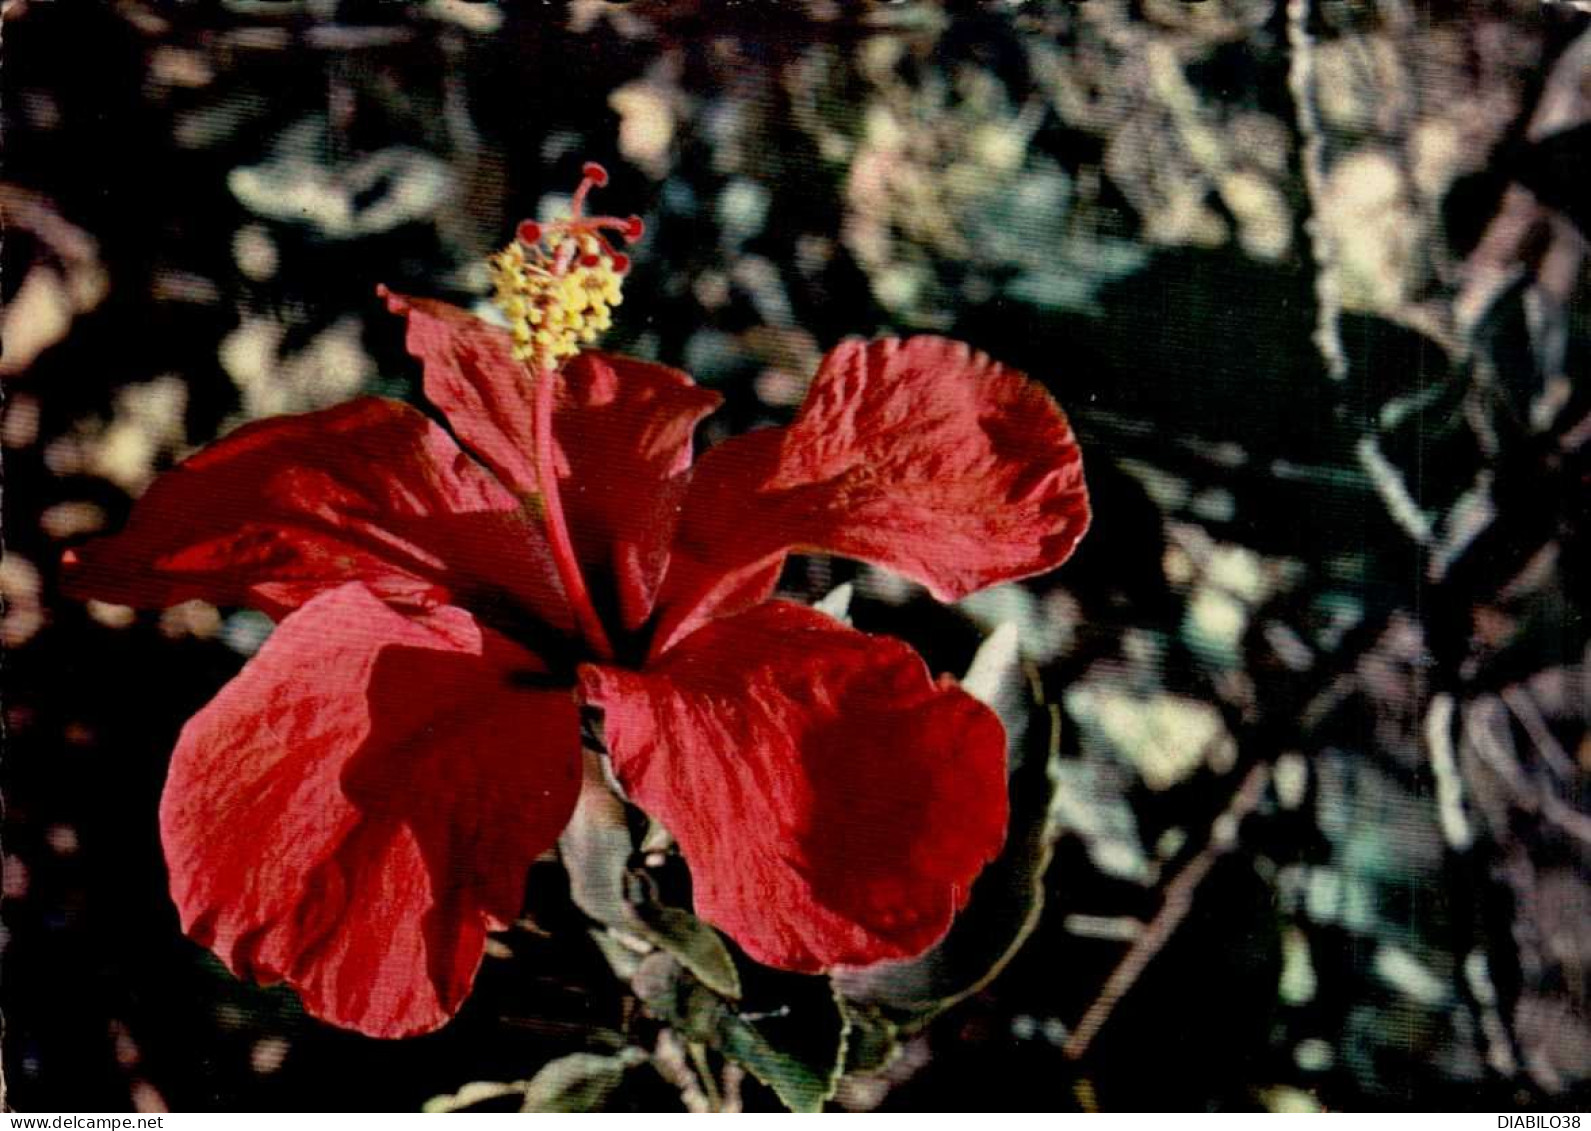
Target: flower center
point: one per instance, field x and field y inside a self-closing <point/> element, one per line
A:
<point x="559" y="282"/>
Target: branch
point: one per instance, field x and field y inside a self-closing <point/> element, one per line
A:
<point x="1312" y="159"/>
<point x="1174" y="907"/>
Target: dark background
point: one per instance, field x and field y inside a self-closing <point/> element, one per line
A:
<point x="1353" y="581"/>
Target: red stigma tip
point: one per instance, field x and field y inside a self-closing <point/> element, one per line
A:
<point x="621" y="262"/>
<point x="590" y="260"/>
<point x="594" y="173"/>
<point x="69" y="558"/>
<point x="528" y="232"/>
<point x="634" y="229"/>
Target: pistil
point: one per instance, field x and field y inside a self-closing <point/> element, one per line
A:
<point x="558" y="284"/>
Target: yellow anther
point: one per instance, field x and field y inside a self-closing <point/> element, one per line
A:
<point x="558" y="283"/>
<point x="553" y="306"/>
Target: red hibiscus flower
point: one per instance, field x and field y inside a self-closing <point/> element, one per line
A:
<point x="359" y="806"/>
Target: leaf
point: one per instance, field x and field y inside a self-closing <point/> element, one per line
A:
<point x="597" y="849"/>
<point x="995" y="677"/>
<point x="800" y="1085"/>
<point x="582" y="1081"/>
<point x="797" y="1050"/>
<point x="472" y="1095"/>
<point x="1008" y="897"/>
<point x="623" y="954"/>
<point x="697" y="946"/>
<point x="872" y="1040"/>
<point x="363" y="196"/>
<point x="1164" y="737"/>
<point x="837" y="602"/>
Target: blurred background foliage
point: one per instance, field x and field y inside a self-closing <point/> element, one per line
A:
<point x="1300" y="736"/>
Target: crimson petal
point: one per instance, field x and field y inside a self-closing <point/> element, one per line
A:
<point x="625" y="427"/>
<point x="359" y="807"/>
<point x="834" y="803"/>
<point x="471" y="375"/>
<point x="922" y="456"/>
<point x="287" y="508"/>
<point x="622" y="427"/>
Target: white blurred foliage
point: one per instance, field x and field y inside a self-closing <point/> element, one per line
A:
<point x="147" y="427"/>
<point x="330" y="369"/>
<point x="1164" y="737"/>
<point x="19" y="592"/>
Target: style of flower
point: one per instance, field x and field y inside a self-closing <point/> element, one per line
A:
<point x="361" y="804"/>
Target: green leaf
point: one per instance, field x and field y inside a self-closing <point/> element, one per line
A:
<point x="797" y="1050"/>
<point x="872" y="1040"/>
<point x="582" y="1081"/>
<point x="801" y="1086"/>
<point x="696" y="945"/>
<point x="596" y="847"/>
<point x="1008" y="897"/>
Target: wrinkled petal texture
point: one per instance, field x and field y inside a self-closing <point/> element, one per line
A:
<point x="287" y="508"/>
<point x="471" y="375"/>
<point x="357" y="808"/>
<point x="834" y="803"/>
<point x="622" y="428"/>
<point x="921" y="456"/>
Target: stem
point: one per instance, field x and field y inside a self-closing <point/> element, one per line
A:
<point x="1312" y="160"/>
<point x="1401" y="503"/>
<point x="704" y="1069"/>
<point x="563" y="550"/>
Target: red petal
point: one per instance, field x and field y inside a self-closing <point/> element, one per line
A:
<point x="286" y="508"/>
<point x="625" y="428"/>
<point x="922" y="456"/>
<point x="471" y="375"/>
<point x="359" y="807"/>
<point x="834" y="804"/>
